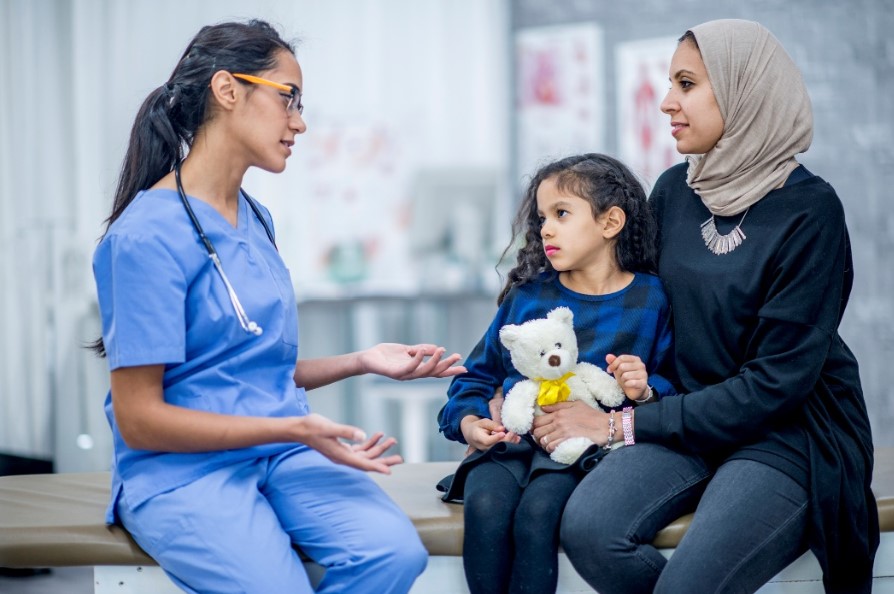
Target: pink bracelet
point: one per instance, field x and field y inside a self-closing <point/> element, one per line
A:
<point x="611" y="431"/>
<point x="627" y="425"/>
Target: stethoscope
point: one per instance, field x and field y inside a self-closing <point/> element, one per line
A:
<point x="247" y="324"/>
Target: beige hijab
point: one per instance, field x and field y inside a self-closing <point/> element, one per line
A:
<point x="766" y="113"/>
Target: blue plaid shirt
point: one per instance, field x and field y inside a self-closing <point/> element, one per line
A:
<point x="633" y="321"/>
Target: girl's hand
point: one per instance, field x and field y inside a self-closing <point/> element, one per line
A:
<point x="325" y="436"/>
<point x="570" y="419"/>
<point x="495" y="406"/>
<point x="482" y="434"/>
<point x="631" y="374"/>
<point x="403" y="362"/>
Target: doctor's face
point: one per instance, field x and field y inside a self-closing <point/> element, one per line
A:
<point x="269" y="126"/>
<point x="696" y="123"/>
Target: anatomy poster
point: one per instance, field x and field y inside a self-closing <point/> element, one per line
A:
<point x="560" y="91"/>
<point x="644" y="139"/>
<point x="351" y="235"/>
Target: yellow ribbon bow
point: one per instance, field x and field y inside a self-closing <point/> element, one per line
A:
<point x="553" y="391"/>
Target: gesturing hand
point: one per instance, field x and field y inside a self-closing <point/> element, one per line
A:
<point x="325" y="436"/>
<point x="404" y="362"/>
<point x="374" y="447"/>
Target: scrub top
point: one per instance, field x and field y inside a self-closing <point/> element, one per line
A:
<point x="163" y="302"/>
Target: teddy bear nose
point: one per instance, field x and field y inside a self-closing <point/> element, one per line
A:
<point x="554" y="360"/>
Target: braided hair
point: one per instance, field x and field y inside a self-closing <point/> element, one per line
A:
<point x="602" y="181"/>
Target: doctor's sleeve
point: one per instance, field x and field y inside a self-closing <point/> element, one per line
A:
<point x="142" y="292"/>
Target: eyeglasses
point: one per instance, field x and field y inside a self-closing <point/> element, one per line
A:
<point x="290" y="91"/>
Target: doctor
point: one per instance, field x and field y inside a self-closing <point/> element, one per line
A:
<point x="219" y="466"/>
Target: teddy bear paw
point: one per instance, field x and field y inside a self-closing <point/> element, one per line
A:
<point x="570" y="450"/>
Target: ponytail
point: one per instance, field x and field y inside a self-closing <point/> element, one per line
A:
<point x="153" y="150"/>
<point x="171" y="116"/>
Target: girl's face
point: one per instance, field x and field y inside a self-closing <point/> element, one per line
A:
<point x="696" y="122"/>
<point x="573" y="239"/>
<point x="267" y="129"/>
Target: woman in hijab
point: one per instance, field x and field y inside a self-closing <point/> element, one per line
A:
<point x="769" y="443"/>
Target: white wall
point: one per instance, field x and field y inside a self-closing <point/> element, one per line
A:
<point x="74" y="73"/>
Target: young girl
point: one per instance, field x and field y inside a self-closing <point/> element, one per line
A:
<point x="588" y="238"/>
<point x="219" y="466"/>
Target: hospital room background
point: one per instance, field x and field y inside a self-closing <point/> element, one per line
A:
<point x="425" y="118"/>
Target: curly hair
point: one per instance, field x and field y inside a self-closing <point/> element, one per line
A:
<point x="602" y="181"/>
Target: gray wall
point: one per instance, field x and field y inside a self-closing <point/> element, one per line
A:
<point x="846" y="53"/>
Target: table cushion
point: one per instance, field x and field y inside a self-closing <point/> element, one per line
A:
<point x="55" y="520"/>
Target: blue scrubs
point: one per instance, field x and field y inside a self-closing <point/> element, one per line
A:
<point x="217" y="521"/>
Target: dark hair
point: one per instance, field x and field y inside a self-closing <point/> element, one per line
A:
<point x="604" y="182"/>
<point x="172" y="114"/>
<point x="689" y="35"/>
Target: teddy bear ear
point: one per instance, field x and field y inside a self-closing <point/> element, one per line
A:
<point x="509" y="335"/>
<point x="561" y="314"/>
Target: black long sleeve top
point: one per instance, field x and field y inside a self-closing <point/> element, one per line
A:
<point x="764" y="373"/>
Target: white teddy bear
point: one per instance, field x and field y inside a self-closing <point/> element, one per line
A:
<point x="545" y="351"/>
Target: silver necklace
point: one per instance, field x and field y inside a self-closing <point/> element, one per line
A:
<point x="722" y="244"/>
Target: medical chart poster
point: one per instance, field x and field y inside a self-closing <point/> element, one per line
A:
<point x="560" y="92"/>
<point x="345" y="229"/>
<point x="644" y="139"/>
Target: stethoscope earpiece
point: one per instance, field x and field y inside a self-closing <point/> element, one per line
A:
<point x="247" y="324"/>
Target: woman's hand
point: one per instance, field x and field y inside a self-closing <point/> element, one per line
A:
<point x="631" y="374"/>
<point x="374" y="447"/>
<point x="570" y="419"/>
<point x="404" y="362"/>
<point x="397" y="361"/>
<point x="326" y="436"/>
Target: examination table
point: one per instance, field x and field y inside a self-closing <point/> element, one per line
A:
<point x="56" y="520"/>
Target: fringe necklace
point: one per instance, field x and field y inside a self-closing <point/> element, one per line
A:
<point x="723" y="244"/>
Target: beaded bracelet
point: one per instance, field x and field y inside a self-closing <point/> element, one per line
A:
<point x="627" y="425"/>
<point x="647" y="395"/>
<point x="611" y="431"/>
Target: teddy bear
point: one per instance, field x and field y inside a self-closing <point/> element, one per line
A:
<point x="544" y="350"/>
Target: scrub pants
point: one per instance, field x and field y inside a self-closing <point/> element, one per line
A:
<point x="231" y="531"/>
<point x="749" y="524"/>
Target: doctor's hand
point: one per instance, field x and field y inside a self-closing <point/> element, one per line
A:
<point x="326" y="437"/>
<point x="405" y="362"/>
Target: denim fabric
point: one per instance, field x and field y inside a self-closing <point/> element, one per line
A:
<point x="750" y="523"/>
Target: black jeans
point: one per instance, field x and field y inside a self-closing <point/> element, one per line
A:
<point x="750" y="523"/>
<point x="511" y="538"/>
